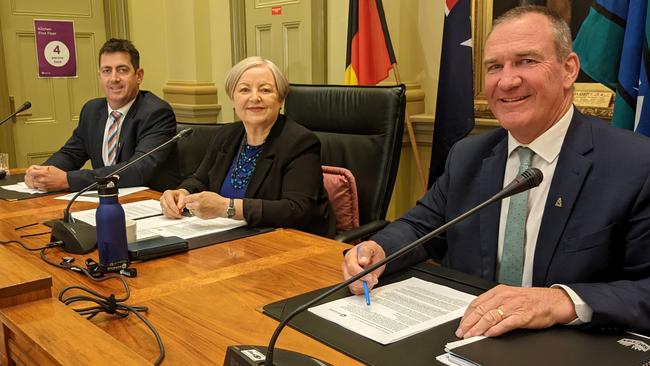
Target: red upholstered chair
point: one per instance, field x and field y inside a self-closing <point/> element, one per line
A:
<point x="342" y="190"/>
<point x="360" y="128"/>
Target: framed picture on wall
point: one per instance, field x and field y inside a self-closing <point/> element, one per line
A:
<point x="590" y="97"/>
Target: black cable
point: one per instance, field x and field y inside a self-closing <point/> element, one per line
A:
<point x="37" y="234"/>
<point x="26" y="225"/>
<point x="53" y="244"/>
<point x="104" y="304"/>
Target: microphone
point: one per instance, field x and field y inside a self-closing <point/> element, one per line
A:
<point x="25" y="106"/>
<point x="79" y="237"/>
<point x="241" y="355"/>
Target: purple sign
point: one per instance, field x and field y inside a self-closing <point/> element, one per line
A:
<point x="55" y="48"/>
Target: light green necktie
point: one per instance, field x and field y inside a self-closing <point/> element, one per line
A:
<point x="512" y="257"/>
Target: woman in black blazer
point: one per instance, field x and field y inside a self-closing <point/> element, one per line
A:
<point x="265" y="169"/>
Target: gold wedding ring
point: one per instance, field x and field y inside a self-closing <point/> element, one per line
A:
<point x="501" y="313"/>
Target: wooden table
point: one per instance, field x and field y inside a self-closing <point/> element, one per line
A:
<point x="200" y="302"/>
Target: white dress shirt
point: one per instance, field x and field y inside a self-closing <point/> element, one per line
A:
<point x="547" y="150"/>
<point x="123" y="110"/>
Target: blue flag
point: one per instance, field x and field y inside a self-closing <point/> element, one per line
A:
<point x="613" y="48"/>
<point x="455" y="103"/>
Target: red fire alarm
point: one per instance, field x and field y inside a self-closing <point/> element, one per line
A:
<point x="276" y="10"/>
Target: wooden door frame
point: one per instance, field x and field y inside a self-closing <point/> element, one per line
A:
<point x="318" y="36"/>
<point x="6" y="130"/>
<point x="116" y="19"/>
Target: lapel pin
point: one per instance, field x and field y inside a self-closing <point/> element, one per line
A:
<point x="558" y="203"/>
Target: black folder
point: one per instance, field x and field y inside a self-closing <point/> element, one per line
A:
<point x="8" y="195"/>
<point x="558" y="346"/>
<point x="420" y="349"/>
<point x="227" y="235"/>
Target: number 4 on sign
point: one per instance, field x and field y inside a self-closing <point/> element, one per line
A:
<point x="56" y="49"/>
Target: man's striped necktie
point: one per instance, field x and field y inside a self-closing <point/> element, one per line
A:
<point x="113" y="137"/>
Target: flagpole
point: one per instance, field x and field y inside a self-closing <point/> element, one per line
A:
<point x="414" y="144"/>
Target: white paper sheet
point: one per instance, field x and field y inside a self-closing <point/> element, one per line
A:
<point x="93" y="196"/>
<point x="186" y="228"/>
<point x="150" y="222"/>
<point x="22" y="188"/>
<point x="397" y="311"/>
<point x="134" y="211"/>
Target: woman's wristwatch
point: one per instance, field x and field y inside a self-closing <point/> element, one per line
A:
<point x="230" y="211"/>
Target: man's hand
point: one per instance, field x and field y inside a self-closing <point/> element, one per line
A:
<point x="207" y="205"/>
<point x="172" y="202"/>
<point x="46" y="178"/>
<point x="505" y="308"/>
<point x="361" y="256"/>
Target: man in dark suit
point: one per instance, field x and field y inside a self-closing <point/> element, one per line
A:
<point x="113" y="130"/>
<point x="583" y="252"/>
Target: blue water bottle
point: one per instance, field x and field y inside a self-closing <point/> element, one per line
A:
<point x="111" y="227"/>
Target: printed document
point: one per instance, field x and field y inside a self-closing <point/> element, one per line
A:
<point x="398" y="310"/>
<point x="21" y="187"/>
<point x="93" y="196"/>
<point x="150" y="221"/>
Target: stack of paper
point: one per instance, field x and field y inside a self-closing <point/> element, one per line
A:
<point x="151" y="222"/>
<point x="398" y="310"/>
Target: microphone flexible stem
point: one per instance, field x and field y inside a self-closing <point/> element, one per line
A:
<point x="388" y="259"/>
<point x="25" y="106"/>
<point x="67" y="217"/>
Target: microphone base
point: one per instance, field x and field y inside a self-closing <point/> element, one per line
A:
<point x="77" y="237"/>
<point x="246" y="355"/>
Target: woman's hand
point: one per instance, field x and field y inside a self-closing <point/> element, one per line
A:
<point x="172" y="202"/>
<point x="207" y="205"/>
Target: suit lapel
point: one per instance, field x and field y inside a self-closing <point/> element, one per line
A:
<point x="262" y="167"/>
<point x="490" y="184"/>
<point x="570" y="173"/>
<point x="265" y="161"/>
<point x="127" y="124"/>
<point x="97" y="142"/>
<point x="227" y="153"/>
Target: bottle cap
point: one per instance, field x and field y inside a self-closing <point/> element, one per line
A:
<point x="107" y="186"/>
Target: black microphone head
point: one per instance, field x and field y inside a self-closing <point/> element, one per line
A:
<point x="530" y="178"/>
<point x="533" y="177"/>
<point x="25" y="106"/>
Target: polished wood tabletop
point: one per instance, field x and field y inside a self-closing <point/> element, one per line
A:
<point x="200" y="301"/>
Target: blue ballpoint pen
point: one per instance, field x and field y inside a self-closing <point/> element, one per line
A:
<point x="366" y="292"/>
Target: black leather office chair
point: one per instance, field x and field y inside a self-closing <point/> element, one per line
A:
<point x="192" y="149"/>
<point x="360" y="128"/>
<point x="185" y="156"/>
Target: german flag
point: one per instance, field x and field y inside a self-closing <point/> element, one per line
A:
<point x="370" y="53"/>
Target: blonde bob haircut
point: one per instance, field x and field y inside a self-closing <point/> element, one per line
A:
<point x="233" y="76"/>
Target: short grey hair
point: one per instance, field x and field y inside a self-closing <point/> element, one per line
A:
<point x="233" y="76"/>
<point x="560" y="29"/>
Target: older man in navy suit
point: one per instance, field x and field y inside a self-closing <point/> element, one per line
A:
<point x="583" y="255"/>
<point x="114" y="130"/>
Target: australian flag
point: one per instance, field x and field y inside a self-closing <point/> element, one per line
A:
<point x="455" y="104"/>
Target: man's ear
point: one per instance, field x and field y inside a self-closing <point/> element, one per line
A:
<point x="571" y="69"/>
<point x="139" y="75"/>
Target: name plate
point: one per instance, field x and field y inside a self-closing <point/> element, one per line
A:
<point x="597" y="99"/>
